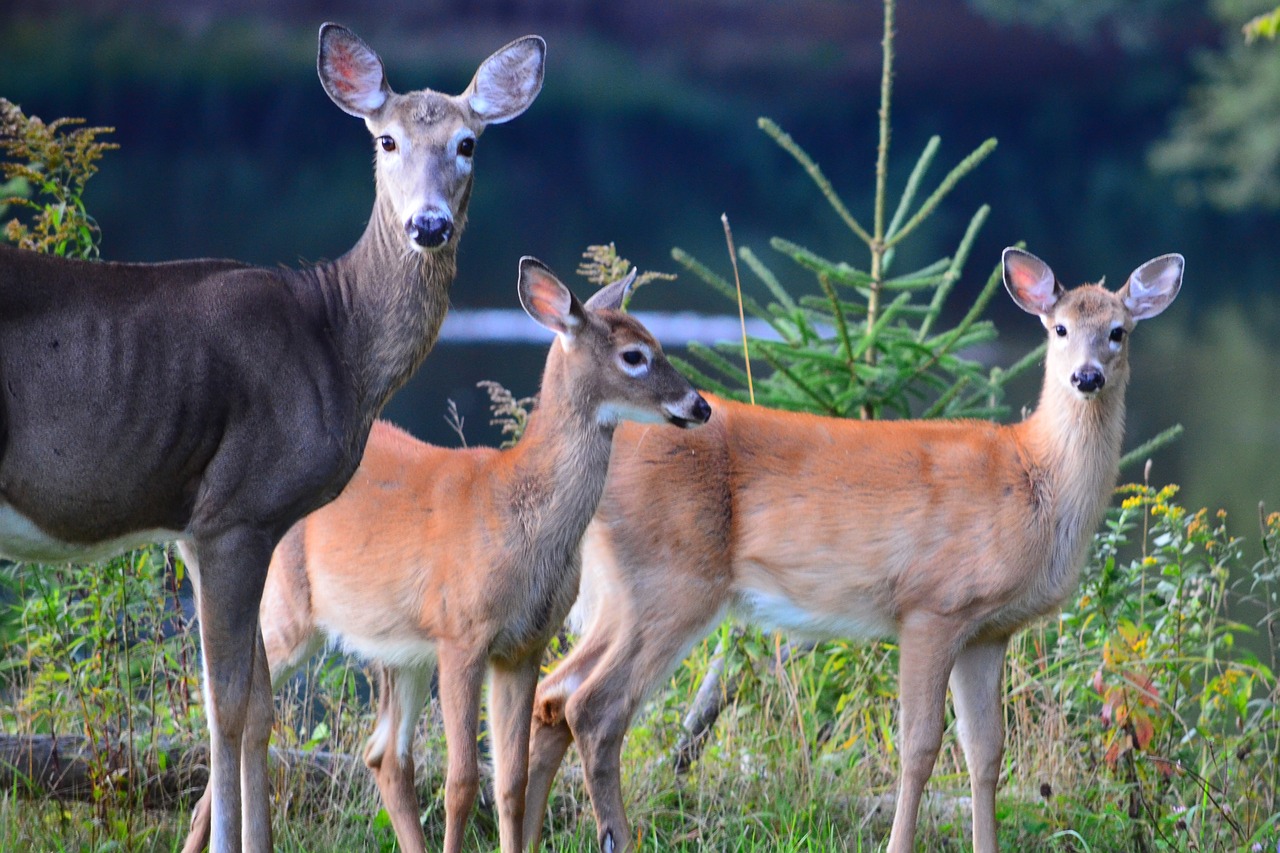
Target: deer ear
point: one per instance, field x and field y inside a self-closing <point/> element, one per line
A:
<point x="351" y="72"/>
<point x="546" y="299"/>
<point x="1030" y="282"/>
<point x="1152" y="286"/>
<point x="612" y="295"/>
<point x="507" y="82"/>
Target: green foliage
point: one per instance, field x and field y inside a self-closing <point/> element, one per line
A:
<point x="1263" y="26"/>
<point x="868" y="342"/>
<point x="1149" y="693"/>
<point x="1145" y="717"/>
<point x="106" y="654"/>
<point x="47" y="167"/>
<point x="603" y="265"/>
<point x="1134" y="25"/>
<point x="1222" y="149"/>
<point x="509" y="412"/>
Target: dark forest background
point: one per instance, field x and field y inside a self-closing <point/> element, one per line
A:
<point x="1126" y="130"/>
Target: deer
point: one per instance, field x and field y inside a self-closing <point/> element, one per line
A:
<point x="213" y="404"/>
<point x="466" y="560"/>
<point x="948" y="536"/>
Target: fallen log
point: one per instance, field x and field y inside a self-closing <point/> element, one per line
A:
<point x="167" y="775"/>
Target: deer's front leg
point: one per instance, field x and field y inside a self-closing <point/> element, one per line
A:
<point x="229" y="570"/>
<point x="461" y="676"/>
<point x="976" y="691"/>
<point x="511" y="703"/>
<point x="926" y="652"/>
<point x="549" y="735"/>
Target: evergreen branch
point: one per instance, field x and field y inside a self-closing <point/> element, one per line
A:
<point x="1022" y="365"/>
<point x="882" y="147"/>
<point x="940" y="405"/>
<point x="700" y="379"/>
<point x="807" y="163"/>
<point x="718" y="362"/>
<point x="1142" y="451"/>
<point x="842" y="329"/>
<point x="819" y="303"/>
<point x="910" y="283"/>
<point x="873" y="331"/>
<point x="942" y="345"/>
<point x="966" y="166"/>
<point x="841" y="272"/>
<point x="766" y="275"/>
<point x="953" y="272"/>
<point x="725" y="288"/>
<point x="809" y="391"/>
<point x="909" y="192"/>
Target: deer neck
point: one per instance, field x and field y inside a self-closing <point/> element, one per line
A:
<point x="393" y="300"/>
<point x="559" y="468"/>
<point x="1073" y="450"/>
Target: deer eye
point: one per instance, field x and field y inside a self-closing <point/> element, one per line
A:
<point x="633" y="357"/>
<point x="1117" y="334"/>
<point x="386" y="143"/>
<point x="466" y="146"/>
<point x="1060" y="330"/>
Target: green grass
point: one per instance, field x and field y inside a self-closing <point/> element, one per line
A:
<point x="1140" y="718"/>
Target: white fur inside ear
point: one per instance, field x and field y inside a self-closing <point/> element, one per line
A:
<point x="355" y="78"/>
<point x="508" y="81"/>
<point x="371" y="101"/>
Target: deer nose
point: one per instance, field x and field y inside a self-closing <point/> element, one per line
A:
<point x="430" y="230"/>
<point x="1088" y="379"/>
<point x="701" y="410"/>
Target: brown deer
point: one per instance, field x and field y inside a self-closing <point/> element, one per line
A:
<point x="467" y="559"/>
<point x="946" y="535"/>
<point x="214" y="403"/>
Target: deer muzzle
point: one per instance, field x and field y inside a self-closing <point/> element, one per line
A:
<point x="1088" y="380"/>
<point x="430" y="229"/>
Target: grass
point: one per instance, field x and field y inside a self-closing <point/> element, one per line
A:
<point x="1140" y="718"/>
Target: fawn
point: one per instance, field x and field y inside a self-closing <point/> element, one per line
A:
<point x="467" y="559"/>
<point x="946" y="535"/>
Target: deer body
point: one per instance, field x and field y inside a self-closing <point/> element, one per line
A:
<point x="946" y="535"/>
<point x="214" y="403"/>
<point x="469" y="558"/>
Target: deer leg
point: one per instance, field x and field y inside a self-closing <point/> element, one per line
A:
<point x="198" y="835"/>
<point x="925" y="655"/>
<point x="255" y="784"/>
<point x="511" y="705"/>
<point x="550" y="736"/>
<point x="599" y="713"/>
<point x="257" y="734"/>
<point x="230" y="570"/>
<point x="548" y="742"/>
<point x="389" y="750"/>
<point x="461" y="676"/>
<point x="976" y="691"/>
<point x="285" y="652"/>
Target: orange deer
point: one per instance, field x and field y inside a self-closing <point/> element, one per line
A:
<point x="468" y="559"/>
<point x="947" y="535"/>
